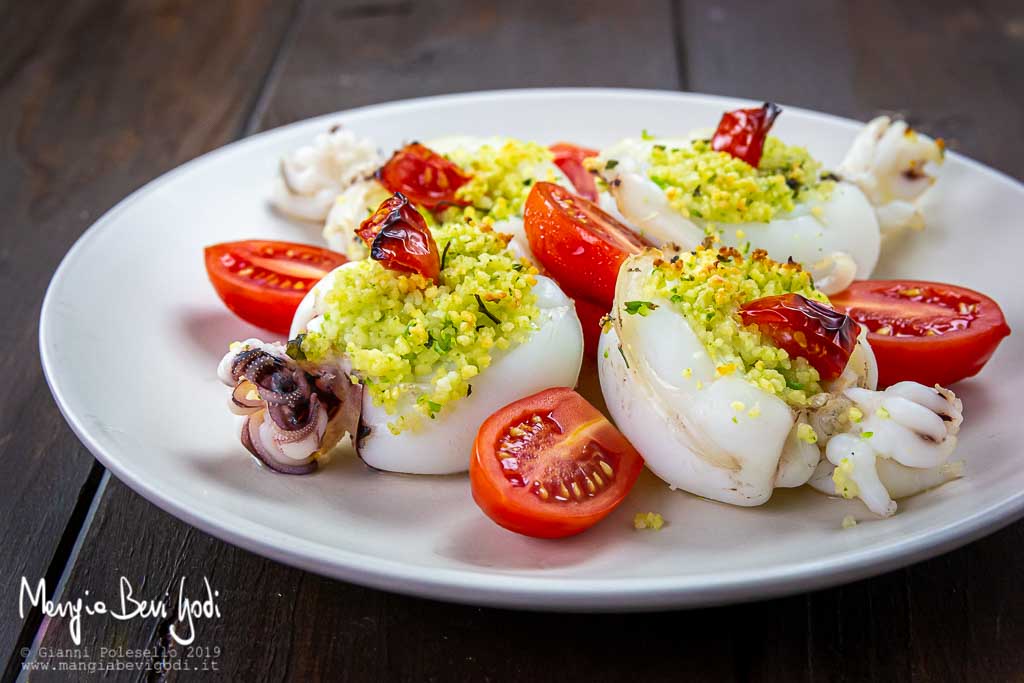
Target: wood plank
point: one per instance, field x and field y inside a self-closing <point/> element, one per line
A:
<point x="280" y="623"/>
<point x="349" y="54"/>
<point x="950" y="68"/>
<point x="953" y="70"/>
<point x="95" y="99"/>
<point x="956" y="71"/>
<point x="342" y="56"/>
<point x="775" y="51"/>
<point x="284" y="624"/>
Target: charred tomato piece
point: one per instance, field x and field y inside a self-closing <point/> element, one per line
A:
<point x="742" y="132"/>
<point x="424" y="176"/>
<point x="805" y="329"/>
<point x="399" y="238"/>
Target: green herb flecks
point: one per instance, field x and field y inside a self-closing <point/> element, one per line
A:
<point x="294" y="348"/>
<point x="643" y="308"/>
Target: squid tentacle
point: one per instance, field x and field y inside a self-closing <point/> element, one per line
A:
<point x="899" y="444"/>
<point x="288" y="411"/>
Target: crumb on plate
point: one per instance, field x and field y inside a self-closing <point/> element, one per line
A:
<point x="648" y="520"/>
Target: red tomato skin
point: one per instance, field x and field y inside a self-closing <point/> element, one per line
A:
<point x="269" y="316"/>
<point x="505" y="513"/>
<point x="398" y="237"/>
<point x="900" y="360"/>
<point x="584" y="262"/>
<point x="590" y="315"/>
<point x="569" y="159"/>
<point x="424" y="176"/>
<point x="829" y="336"/>
<point x="742" y="132"/>
<point x="257" y="303"/>
<point x="518" y="510"/>
<point x="940" y="359"/>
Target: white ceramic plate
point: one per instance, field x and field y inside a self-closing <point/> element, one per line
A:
<point x="131" y="332"/>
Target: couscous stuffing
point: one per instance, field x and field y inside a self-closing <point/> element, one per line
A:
<point x="715" y="186"/>
<point x="708" y="285"/>
<point x="416" y="346"/>
<point x="502" y="177"/>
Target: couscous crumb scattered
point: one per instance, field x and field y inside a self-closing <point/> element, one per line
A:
<point x="844" y="484"/>
<point x="806" y="433"/>
<point x="648" y="520"/>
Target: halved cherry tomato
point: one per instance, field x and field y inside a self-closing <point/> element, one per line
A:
<point x="424" y="176"/>
<point x="551" y="465"/>
<point x="805" y="328"/>
<point x="263" y="282"/>
<point x="590" y="316"/>
<point x="742" y="132"/>
<point x="577" y="242"/>
<point x="927" y="332"/>
<point x="399" y="238"/>
<point x="569" y="158"/>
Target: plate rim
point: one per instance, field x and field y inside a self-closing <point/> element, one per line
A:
<point x="497" y="589"/>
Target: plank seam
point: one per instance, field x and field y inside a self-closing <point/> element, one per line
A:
<point x="59" y="568"/>
<point x="90" y="495"/>
<point x="679" y="43"/>
<point x="254" y="117"/>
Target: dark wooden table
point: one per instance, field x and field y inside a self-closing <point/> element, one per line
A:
<point x="97" y="97"/>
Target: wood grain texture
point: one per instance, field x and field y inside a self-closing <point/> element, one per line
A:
<point x="953" y="69"/>
<point x="95" y="99"/>
<point x="339" y="56"/>
<point x="946" y="619"/>
<point x="955" y="617"/>
<point x="349" y="54"/>
<point x="949" y="68"/>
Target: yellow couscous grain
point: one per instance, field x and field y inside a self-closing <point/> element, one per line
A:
<point x="502" y="177"/>
<point x="708" y="286"/>
<point x="648" y="520"/>
<point x="416" y="346"/>
<point x="715" y="186"/>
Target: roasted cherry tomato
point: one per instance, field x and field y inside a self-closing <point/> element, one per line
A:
<point x="569" y="158"/>
<point x="805" y="328"/>
<point x="742" y="132"/>
<point x="551" y="465"/>
<point x="926" y="332"/>
<point x="399" y="238"/>
<point x="263" y="282"/>
<point x="579" y="244"/>
<point x="424" y="176"/>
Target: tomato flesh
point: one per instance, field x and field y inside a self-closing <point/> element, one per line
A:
<point x="569" y="158"/>
<point x="925" y="332"/>
<point x="541" y="453"/>
<point x="263" y="282"/>
<point x="742" y="132"/>
<point x="907" y="310"/>
<point x="806" y="329"/>
<point x="577" y="242"/>
<point x="424" y="176"/>
<point x="551" y="465"/>
<point x="399" y="238"/>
